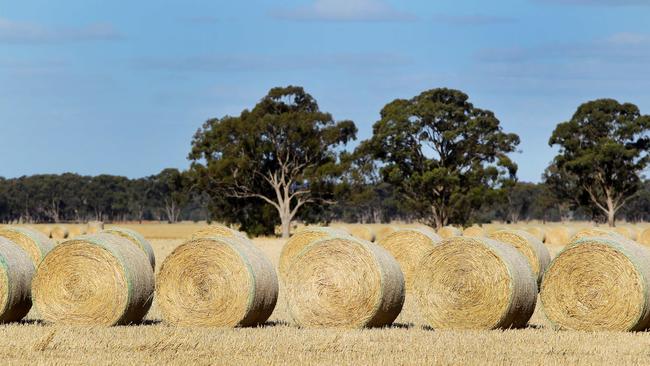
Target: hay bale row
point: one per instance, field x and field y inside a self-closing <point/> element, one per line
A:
<point x="217" y="281"/>
<point x="217" y="230"/>
<point x="599" y="283"/>
<point x="136" y="239"/>
<point x="475" y="283"/>
<point x="474" y="231"/>
<point x="362" y="232"/>
<point x="344" y="282"/>
<point x="59" y="233"/>
<point x="559" y="235"/>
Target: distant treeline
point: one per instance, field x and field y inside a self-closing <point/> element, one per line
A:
<point x="172" y="196"/>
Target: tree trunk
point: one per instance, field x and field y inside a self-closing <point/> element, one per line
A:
<point x="285" y="219"/>
<point x="611" y="212"/>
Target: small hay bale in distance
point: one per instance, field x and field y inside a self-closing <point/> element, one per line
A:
<point x="594" y="232"/>
<point x="447" y="232"/>
<point x="16" y="271"/>
<point x="362" y="232"/>
<point x="383" y="231"/>
<point x="216" y="230"/>
<point x="475" y="283"/>
<point x="216" y="281"/>
<point x="94" y="227"/>
<point x="408" y="247"/>
<point x="33" y="242"/>
<point x="532" y="248"/>
<point x="59" y="233"/>
<point x="300" y="240"/>
<point x="75" y="231"/>
<point x="626" y="232"/>
<point x="135" y="238"/>
<point x="344" y="283"/>
<point x="537" y="232"/>
<point x="598" y="284"/>
<point x="95" y="280"/>
<point x="644" y="237"/>
<point x="559" y="235"/>
<point x="474" y="231"/>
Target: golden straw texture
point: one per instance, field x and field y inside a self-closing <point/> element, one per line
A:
<point x="598" y="284"/>
<point x="16" y="271"/>
<point x="59" y="233"/>
<point x="537" y="232"/>
<point x="475" y="283"/>
<point x="33" y="242"/>
<point x="75" y="231"/>
<point x="94" y="227"/>
<point x="216" y="230"/>
<point x="559" y="235"/>
<point x="532" y="248"/>
<point x="135" y="238"/>
<point x="594" y="232"/>
<point x="408" y="247"/>
<point x="474" y="231"/>
<point x="300" y="241"/>
<point x="644" y="237"/>
<point x="383" y="231"/>
<point x="449" y="232"/>
<point x="221" y="282"/>
<point x="362" y="232"/>
<point x="626" y="232"/>
<point x="344" y="282"/>
<point x="95" y="280"/>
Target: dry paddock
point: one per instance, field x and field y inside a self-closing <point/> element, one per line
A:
<point x="406" y="342"/>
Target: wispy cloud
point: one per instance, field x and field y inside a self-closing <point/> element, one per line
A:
<point x="475" y="19"/>
<point x="345" y="11"/>
<point x="26" y="32"/>
<point x="598" y="2"/>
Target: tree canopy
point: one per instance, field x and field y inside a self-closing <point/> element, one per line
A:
<point x="276" y="153"/>
<point x="444" y="154"/>
<point x="603" y="151"/>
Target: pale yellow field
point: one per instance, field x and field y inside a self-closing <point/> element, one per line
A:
<point x="409" y="341"/>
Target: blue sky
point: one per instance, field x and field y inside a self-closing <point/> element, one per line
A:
<point x="120" y="87"/>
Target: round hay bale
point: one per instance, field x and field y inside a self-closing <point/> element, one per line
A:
<point x="16" y="271"/>
<point x="75" y="231"/>
<point x="216" y="281"/>
<point x="45" y="230"/>
<point x="94" y="280"/>
<point x="594" y="232"/>
<point x="537" y="232"/>
<point x="644" y="237"/>
<point x="218" y="231"/>
<point x="344" y="282"/>
<point x="135" y="238"/>
<point x="383" y="231"/>
<point x="408" y="247"/>
<point x="94" y="227"/>
<point x="598" y="284"/>
<point x="559" y="235"/>
<point x="626" y="232"/>
<point x="33" y="242"/>
<point x="532" y="248"/>
<point x="59" y="233"/>
<point x="447" y="232"/>
<point x="361" y="232"/>
<point x="300" y="241"/>
<point x="474" y="231"/>
<point x="475" y="283"/>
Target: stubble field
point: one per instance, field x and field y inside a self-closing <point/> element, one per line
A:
<point x="408" y="341"/>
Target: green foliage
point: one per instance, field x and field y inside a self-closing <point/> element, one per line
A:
<point x="445" y="155"/>
<point x="603" y="152"/>
<point x="282" y="153"/>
